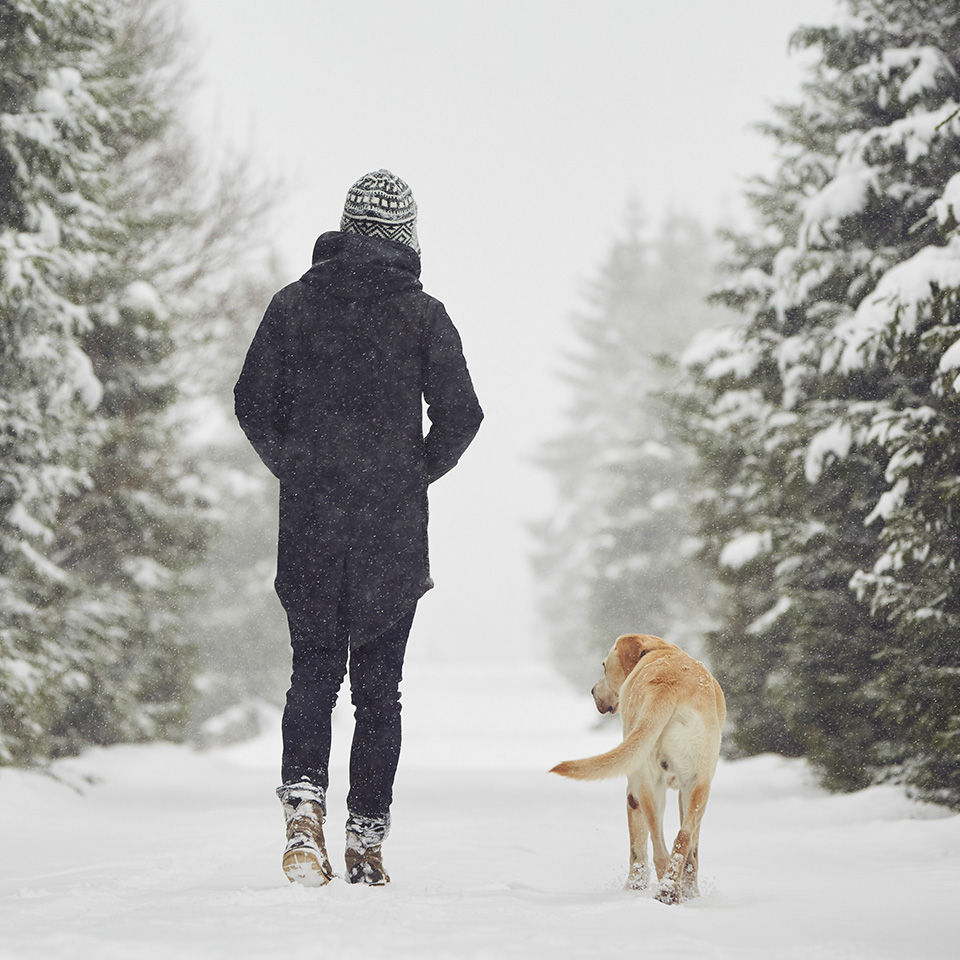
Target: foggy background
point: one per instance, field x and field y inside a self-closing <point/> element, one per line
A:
<point x="525" y="128"/>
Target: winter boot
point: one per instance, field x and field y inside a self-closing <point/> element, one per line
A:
<point x="305" y="857"/>
<point x="365" y="835"/>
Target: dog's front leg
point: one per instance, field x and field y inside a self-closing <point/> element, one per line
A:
<point x="638" y="877"/>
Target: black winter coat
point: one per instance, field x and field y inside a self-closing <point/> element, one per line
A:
<point x="331" y="397"/>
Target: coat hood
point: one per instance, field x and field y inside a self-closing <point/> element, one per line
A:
<point x="351" y="267"/>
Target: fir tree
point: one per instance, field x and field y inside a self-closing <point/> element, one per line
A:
<point x="236" y="621"/>
<point x="133" y="536"/>
<point x="618" y="553"/>
<point x="801" y="416"/>
<point x="54" y="133"/>
<point x="115" y="257"/>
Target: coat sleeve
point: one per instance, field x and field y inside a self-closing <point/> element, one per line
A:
<point x="260" y="398"/>
<point x="452" y="406"/>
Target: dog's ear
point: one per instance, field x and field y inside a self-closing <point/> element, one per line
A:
<point x="630" y="649"/>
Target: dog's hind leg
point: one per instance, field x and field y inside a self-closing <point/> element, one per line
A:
<point x="675" y="883"/>
<point x="689" y="888"/>
<point x="638" y="877"/>
<point x="652" y="799"/>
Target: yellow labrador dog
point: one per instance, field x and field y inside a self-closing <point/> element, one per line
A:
<point x="672" y="712"/>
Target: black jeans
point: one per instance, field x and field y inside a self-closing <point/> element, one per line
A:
<point x="376" y="670"/>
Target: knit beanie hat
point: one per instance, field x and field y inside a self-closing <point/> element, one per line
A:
<point x="381" y="205"/>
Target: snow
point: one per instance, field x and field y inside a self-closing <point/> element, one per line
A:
<point x="707" y="344"/>
<point x="83" y="382"/>
<point x="947" y="207"/>
<point x="950" y="359"/>
<point x="792" y="351"/>
<point x="146" y="573"/>
<point x="765" y="621"/>
<point x="23" y="674"/>
<point x="166" y="853"/>
<point x="926" y="65"/>
<point x="833" y="441"/>
<point x="797" y="272"/>
<point x="739" y="551"/>
<point x="892" y="426"/>
<point x="43" y="567"/>
<point x="142" y="297"/>
<point x="721" y="352"/>
<point x="917" y="131"/>
<point x="18" y="516"/>
<point x="737" y="406"/>
<point x="659" y="451"/>
<point x="843" y="196"/>
<point x="898" y="300"/>
<point x="889" y="502"/>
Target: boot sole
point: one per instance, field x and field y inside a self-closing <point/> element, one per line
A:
<point x="303" y="867"/>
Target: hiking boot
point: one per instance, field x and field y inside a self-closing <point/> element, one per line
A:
<point x="305" y="857"/>
<point x="363" y="855"/>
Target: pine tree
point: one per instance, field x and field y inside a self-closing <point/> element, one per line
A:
<point x="794" y="414"/>
<point x="600" y="378"/>
<point x="206" y="254"/>
<point x="54" y="136"/>
<point x="236" y="621"/>
<point x="617" y="555"/>
<point x="115" y="256"/>
<point x="133" y="536"/>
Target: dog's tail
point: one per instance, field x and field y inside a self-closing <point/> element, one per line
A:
<point x="625" y="756"/>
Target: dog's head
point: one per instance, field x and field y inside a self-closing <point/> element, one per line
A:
<point x="618" y="665"/>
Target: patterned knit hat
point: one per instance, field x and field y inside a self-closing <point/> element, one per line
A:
<point x="381" y="205"/>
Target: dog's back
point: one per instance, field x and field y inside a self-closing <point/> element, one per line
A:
<point x="689" y="746"/>
<point x="672" y="710"/>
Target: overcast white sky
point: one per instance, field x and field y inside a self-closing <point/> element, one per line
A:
<point x="523" y="127"/>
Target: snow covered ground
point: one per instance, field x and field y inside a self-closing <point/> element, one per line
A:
<point x="166" y="852"/>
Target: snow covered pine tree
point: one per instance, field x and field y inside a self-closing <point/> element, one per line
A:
<point x="98" y="515"/>
<point x="616" y="555"/>
<point x="52" y="154"/>
<point x="827" y="425"/>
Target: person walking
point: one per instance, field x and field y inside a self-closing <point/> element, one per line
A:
<point x="331" y="396"/>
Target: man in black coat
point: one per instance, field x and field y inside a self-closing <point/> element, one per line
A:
<point x="331" y="397"/>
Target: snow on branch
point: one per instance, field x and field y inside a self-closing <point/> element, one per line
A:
<point x="798" y="272"/>
<point x="947" y="208"/>
<point x="844" y="196"/>
<point x="920" y="68"/>
<point x="895" y="306"/>
<point x="916" y="131"/>
<point x="889" y="502"/>
<point x="765" y="621"/>
<point x="857" y="174"/>
<point x="721" y="352"/>
<point x="951" y="361"/>
<point x="831" y="442"/>
<point x="739" y="551"/>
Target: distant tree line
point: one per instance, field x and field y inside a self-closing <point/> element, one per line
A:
<point x="618" y="553"/>
<point x="825" y="425"/>
<point x="120" y="309"/>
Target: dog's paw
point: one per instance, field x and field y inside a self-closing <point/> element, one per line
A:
<point x="638" y="878"/>
<point x="689" y="890"/>
<point x="668" y="892"/>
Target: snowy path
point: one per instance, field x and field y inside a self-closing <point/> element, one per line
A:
<point x="175" y="854"/>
